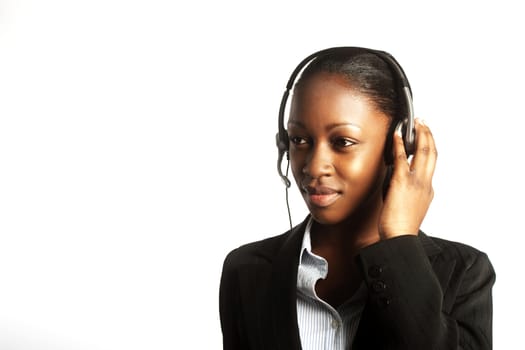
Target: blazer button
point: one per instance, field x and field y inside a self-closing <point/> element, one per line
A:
<point x="378" y="286"/>
<point x="375" y="271"/>
<point x="383" y="302"/>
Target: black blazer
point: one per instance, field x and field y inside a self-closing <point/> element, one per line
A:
<point x="423" y="293"/>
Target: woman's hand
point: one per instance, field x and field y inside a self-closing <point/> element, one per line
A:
<point x="410" y="192"/>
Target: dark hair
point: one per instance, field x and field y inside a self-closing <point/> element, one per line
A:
<point x="366" y="72"/>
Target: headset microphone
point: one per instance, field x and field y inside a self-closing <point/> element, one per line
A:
<point x="281" y="139"/>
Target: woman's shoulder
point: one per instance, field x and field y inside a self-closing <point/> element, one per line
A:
<point x="256" y="251"/>
<point x="463" y="253"/>
<point x="265" y="250"/>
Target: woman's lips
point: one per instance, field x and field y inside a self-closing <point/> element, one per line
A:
<point x="321" y="196"/>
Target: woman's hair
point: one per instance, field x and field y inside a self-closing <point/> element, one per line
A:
<point x="366" y="72"/>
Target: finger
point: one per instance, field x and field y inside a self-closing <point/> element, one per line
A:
<point x="398" y="149"/>
<point x="425" y="155"/>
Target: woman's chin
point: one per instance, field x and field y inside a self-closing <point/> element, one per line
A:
<point x="327" y="217"/>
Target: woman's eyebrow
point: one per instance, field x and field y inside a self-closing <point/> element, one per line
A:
<point x="338" y="125"/>
<point x="328" y="127"/>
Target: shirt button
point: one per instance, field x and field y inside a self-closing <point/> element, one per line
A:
<point x="335" y="324"/>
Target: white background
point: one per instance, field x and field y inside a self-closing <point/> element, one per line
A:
<point x="137" y="148"/>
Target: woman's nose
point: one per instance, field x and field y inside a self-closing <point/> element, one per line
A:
<point x="318" y="163"/>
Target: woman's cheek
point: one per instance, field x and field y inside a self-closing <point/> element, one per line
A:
<point x="363" y="171"/>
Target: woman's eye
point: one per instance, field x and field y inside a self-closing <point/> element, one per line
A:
<point x="296" y="140"/>
<point x="343" y="142"/>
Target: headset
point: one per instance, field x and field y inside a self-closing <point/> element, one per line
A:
<point x="408" y="131"/>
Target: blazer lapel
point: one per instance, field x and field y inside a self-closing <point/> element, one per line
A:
<point x="284" y="292"/>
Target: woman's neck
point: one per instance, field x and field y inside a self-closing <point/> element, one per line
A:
<point x="339" y="245"/>
<point x="347" y="238"/>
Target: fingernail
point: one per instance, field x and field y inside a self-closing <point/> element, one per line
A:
<point x="399" y="129"/>
<point x="421" y="121"/>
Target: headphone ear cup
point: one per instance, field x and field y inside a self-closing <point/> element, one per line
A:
<point x="282" y="142"/>
<point x="407" y="141"/>
<point x="282" y="147"/>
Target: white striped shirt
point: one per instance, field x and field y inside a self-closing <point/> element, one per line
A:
<point x="321" y="327"/>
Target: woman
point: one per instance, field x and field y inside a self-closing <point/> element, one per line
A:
<point x="358" y="273"/>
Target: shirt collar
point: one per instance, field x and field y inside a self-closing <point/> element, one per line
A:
<point x="312" y="267"/>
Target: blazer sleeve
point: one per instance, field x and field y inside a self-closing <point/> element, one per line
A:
<point x="418" y="303"/>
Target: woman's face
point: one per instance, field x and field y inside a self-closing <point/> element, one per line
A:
<point x="337" y="139"/>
